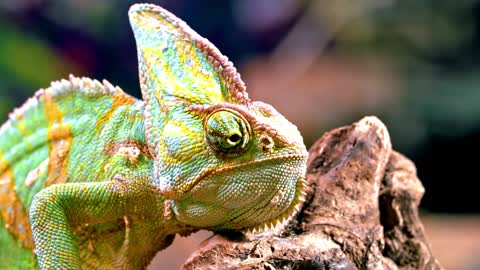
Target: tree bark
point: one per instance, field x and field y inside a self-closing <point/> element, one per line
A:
<point x="361" y="212"/>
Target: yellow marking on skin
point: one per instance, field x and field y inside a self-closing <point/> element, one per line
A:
<point x="189" y="65"/>
<point x="204" y="80"/>
<point x="22" y="127"/>
<point x="59" y="132"/>
<point x="3" y="163"/>
<point x="193" y="146"/>
<point x="12" y="211"/>
<point x="60" y="140"/>
<point x="118" y="99"/>
<point x="106" y="168"/>
<point x="4" y="166"/>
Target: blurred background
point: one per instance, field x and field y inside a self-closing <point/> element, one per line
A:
<point x="323" y="64"/>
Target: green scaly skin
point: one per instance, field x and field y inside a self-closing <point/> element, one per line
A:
<point x="93" y="178"/>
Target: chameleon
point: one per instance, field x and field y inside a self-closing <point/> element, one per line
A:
<point x="93" y="178"/>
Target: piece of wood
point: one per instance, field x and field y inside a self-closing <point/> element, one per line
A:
<point x="361" y="213"/>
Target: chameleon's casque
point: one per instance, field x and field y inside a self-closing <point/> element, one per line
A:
<point x="91" y="177"/>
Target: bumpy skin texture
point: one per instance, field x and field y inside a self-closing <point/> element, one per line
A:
<point x="93" y="178"/>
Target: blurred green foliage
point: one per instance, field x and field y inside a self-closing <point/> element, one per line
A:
<point x="27" y="60"/>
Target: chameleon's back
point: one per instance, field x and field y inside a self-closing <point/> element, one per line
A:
<point x="64" y="130"/>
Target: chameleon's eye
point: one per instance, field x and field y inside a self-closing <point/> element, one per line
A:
<point x="227" y="132"/>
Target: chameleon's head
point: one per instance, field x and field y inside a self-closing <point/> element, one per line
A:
<point x="223" y="161"/>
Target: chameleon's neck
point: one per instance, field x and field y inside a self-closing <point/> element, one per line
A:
<point x="144" y="236"/>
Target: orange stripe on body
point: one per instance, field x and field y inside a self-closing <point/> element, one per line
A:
<point x="118" y="99"/>
<point x="59" y="142"/>
<point x="12" y="210"/>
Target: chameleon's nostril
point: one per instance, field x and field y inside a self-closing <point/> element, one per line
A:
<point x="267" y="143"/>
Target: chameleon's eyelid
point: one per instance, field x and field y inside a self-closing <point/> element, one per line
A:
<point x="244" y="138"/>
<point x="245" y="111"/>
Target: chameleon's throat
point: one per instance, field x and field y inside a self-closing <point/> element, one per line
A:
<point x="283" y="219"/>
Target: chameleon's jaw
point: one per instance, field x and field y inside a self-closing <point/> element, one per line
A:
<point x="234" y="198"/>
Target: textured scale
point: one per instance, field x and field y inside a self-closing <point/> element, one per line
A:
<point x="91" y="177"/>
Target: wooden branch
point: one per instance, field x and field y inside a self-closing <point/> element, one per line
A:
<point x="361" y="213"/>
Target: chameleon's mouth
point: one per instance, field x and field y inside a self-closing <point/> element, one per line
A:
<point x="216" y="171"/>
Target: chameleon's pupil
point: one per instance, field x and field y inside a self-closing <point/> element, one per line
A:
<point x="227" y="132"/>
<point x="234" y="138"/>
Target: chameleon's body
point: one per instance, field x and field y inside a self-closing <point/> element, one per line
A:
<point x="91" y="177"/>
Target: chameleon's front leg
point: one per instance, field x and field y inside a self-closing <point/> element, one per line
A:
<point x="55" y="208"/>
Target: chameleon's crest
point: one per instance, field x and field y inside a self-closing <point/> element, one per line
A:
<point x="178" y="67"/>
